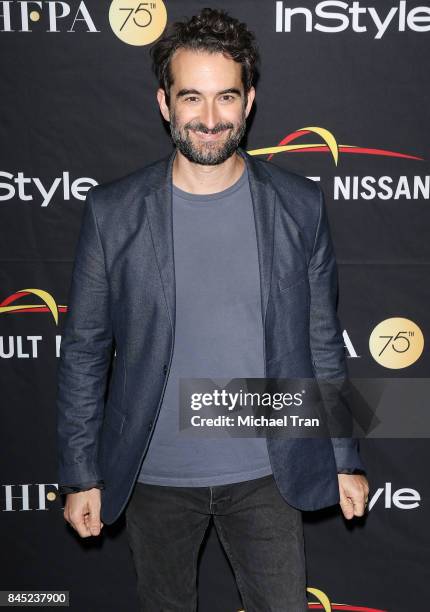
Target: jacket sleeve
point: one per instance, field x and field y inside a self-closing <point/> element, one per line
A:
<point x="326" y="339"/>
<point x="84" y="486"/>
<point x="85" y="354"/>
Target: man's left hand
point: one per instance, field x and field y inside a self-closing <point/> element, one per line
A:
<point x="353" y="492"/>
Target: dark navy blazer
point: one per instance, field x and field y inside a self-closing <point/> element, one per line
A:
<point x="118" y="335"/>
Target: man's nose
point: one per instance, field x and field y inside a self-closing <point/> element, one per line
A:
<point x="210" y="116"/>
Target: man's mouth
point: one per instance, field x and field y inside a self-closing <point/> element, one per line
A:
<point x="208" y="136"/>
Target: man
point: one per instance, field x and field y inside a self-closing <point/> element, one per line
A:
<point x="208" y="263"/>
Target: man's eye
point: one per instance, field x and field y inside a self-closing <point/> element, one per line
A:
<point x="228" y="96"/>
<point x="191" y="98"/>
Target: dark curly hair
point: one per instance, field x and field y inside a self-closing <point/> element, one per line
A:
<point x="213" y="31"/>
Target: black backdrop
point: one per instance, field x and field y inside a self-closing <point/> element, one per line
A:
<point x="79" y="108"/>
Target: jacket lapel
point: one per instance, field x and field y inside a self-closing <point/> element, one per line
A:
<point x="263" y="200"/>
<point x="159" y="206"/>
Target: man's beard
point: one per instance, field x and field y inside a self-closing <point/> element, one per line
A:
<point x="207" y="153"/>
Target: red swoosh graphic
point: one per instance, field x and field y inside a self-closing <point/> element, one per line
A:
<point x="342" y="148"/>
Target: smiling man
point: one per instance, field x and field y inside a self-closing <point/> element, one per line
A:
<point x="207" y="121"/>
<point x="208" y="263"/>
<point x="223" y="109"/>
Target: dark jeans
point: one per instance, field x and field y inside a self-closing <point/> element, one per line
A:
<point x="261" y="534"/>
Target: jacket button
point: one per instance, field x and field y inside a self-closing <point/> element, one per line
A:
<point x="165" y="369"/>
<point x="150" y="425"/>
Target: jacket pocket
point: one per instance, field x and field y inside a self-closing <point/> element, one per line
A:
<point x="114" y="416"/>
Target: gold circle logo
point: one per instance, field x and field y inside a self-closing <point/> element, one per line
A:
<point x="137" y="23"/>
<point x="396" y="343"/>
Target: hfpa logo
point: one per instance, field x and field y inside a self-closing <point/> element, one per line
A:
<point x="58" y="16"/>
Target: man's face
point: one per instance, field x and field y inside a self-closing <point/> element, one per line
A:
<point x="207" y="110"/>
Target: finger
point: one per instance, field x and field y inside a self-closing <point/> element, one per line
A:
<point x="79" y="525"/>
<point x="92" y="521"/>
<point x="346" y="506"/>
<point x="94" y="526"/>
<point x="359" y="508"/>
<point x="358" y="503"/>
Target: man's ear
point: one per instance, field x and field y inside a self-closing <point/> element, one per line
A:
<point x="250" y="100"/>
<point x="161" y="97"/>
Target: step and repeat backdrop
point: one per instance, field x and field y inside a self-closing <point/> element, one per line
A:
<point x="342" y="98"/>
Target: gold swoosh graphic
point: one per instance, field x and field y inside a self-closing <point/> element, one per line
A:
<point x="44" y="295"/>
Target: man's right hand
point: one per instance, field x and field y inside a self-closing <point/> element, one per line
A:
<point x="82" y="512"/>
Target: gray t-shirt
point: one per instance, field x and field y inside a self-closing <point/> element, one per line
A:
<point x="219" y="334"/>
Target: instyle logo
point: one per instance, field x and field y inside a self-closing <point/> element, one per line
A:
<point x="32" y="189"/>
<point x="332" y="17"/>
<point x="20" y="16"/>
<point x="402" y="499"/>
